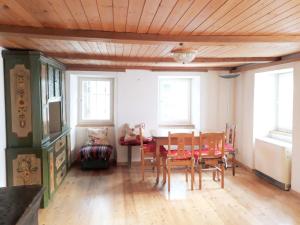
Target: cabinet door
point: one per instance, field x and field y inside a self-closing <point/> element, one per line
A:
<point x="57" y="83"/>
<point x="51" y="81"/>
<point x="51" y="173"/>
<point x="63" y="99"/>
<point x="45" y="110"/>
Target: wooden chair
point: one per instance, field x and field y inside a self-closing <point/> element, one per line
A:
<point x="211" y="154"/>
<point x="148" y="155"/>
<point x="229" y="147"/>
<point x="179" y="155"/>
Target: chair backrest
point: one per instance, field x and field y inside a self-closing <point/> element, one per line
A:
<point x="180" y="141"/>
<point x="213" y="143"/>
<point x="141" y="128"/>
<point x="230" y="134"/>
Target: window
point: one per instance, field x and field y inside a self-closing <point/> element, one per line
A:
<point x="96" y="101"/>
<point x="175" y="101"/>
<point x="284" y="112"/>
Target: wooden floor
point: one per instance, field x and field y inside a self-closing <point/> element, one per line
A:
<point x="118" y="196"/>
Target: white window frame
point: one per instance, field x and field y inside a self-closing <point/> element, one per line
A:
<point x="109" y="122"/>
<point x="278" y="130"/>
<point x="178" y="123"/>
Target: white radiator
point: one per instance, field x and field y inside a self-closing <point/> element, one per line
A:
<point x="273" y="158"/>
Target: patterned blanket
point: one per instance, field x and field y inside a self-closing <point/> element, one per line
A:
<point x="94" y="152"/>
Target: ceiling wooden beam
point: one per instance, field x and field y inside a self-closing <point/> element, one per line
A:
<point x="156" y="59"/>
<point x="92" y="67"/>
<point x="95" y="35"/>
<point x="253" y="66"/>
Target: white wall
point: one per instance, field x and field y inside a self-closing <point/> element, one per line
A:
<point x="2" y="126"/>
<point x="244" y="108"/>
<point x="136" y="100"/>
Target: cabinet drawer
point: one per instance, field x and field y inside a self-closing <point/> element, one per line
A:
<point x="60" y="144"/>
<point x="60" y="159"/>
<point x="60" y="175"/>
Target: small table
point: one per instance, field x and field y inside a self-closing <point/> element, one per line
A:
<point x="20" y="204"/>
<point x="161" y="138"/>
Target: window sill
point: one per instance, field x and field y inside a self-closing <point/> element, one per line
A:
<point x="280" y="136"/>
<point x="94" y="125"/>
<point x="277" y="142"/>
<point x="190" y="126"/>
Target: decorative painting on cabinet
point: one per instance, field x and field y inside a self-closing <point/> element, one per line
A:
<point x="26" y="170"/>
<point x="37" y="151"/>
<point x="20" y="100"/>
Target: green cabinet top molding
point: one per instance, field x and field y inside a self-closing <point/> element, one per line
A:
<point x="37" y="132"/>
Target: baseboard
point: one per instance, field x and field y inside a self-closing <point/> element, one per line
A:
<point x="285" y="187"/>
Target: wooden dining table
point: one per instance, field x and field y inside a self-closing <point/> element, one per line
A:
<point x="161" y="137"/>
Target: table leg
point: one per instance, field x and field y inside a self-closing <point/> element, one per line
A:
<point x="157" y="160"/>
<point x="129" y="155"/>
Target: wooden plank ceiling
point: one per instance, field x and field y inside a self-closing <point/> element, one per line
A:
<point x="228" y="34"/>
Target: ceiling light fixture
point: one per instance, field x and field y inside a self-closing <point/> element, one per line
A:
<point x="184" y="55"/>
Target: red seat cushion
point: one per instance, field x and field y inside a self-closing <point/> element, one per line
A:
<point x="136" y="141"/>
<point x="173" y="154"/>
<point x="205" y="154"/>
<point x="229" y="148"/>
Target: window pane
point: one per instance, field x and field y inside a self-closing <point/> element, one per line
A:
<point x="285" y="102"/>
<point x="96" y="100"/>
<point x="174" y="100"/>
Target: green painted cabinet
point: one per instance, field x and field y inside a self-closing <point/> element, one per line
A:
<point x="37" y="133"/>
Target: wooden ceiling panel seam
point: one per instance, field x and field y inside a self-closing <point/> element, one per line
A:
<point x="120" y="14"/>
<point x="267" y="14"/>
<point x="155" y="14"/>
<point x="134" y="13"/>
<point x="41" y="12"/>
<point x="76" y="9"/>
<point x="222" y="11"/>
<point x="273" y="19"/>
<point x="243" y="16"/>
<point x="232" y="14"/>
<point x="140" y="16"/>
<point x="20" y="12"/>
<point x="126" y="50"/>
<point x="207" y="11"/>
<point x="64" y="13"/>
<point x="149" y="11"/>
<point x="90" y="8"/>
<point x="105" y="9"/>
<point x="162" y="15"/>
<point x="188" y="16"/>
<point x="5" y="16"/>
<point x="180" y="8"/>
<point x="257" y="15"/>
<point x="281" y="25"/>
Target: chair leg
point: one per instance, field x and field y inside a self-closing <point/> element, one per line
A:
<point x="192" y="175"/>
<point x="169" y="177"/>
<point x="222" y="175"/>
<point x="164" y="169"/>
<point x="233" y="164"/>
<point x="186" y="174"/>
<point x="214" y="175"/>
<point x="225" y="161"/>
<point x="200" y="175"/>
<point x="143" y="168"/>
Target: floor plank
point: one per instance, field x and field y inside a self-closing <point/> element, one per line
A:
<point x="118" y="197"/>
